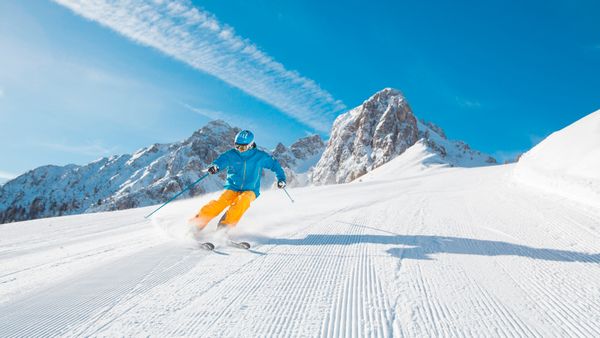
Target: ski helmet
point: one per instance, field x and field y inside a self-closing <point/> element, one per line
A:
<point x="244" y="137"/>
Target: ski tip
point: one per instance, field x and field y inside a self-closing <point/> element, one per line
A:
<point x="207" y="246"/>
<point x="241" y="245"/>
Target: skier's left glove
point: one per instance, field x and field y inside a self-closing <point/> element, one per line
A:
<point x="213" y="169"/>
<point x="281" y="184"/>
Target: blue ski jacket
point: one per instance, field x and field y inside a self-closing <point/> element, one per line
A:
<point x="244" y="169"/>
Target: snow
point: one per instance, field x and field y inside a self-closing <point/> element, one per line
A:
<point x="567" y="162"/>
<point x="457" y="153"/>
<point x="413" y="248"/>
<point x="416" y="160"/>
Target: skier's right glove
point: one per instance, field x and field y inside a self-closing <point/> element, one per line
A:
<point x="213" y="169"/>
<point x="281" y="184"/>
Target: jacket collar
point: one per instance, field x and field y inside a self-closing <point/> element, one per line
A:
<point x="246" y="154"/>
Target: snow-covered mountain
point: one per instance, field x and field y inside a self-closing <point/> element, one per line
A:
<point x="299" y="158"/>
<point x="377" y="131"/>
<point x="147" y="177"/>
<point x="451" y="152"/>
<point x="567" y="162"/>
<point x="362" y="139"/>
<point x="118" y="182"/>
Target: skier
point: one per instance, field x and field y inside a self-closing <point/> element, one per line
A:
<point x="244" y="164"/>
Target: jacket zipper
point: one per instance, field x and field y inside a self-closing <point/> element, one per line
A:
<point x="243" y="176"/>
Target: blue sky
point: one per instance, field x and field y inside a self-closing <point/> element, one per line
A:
<point x="78" y="82"/>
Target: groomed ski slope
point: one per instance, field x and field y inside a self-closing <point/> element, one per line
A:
<point x="407" y="251"/>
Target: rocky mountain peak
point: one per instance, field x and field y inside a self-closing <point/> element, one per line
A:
<point x="377" y="131"/>
<point x="307" y="146"/>
<point x="284" y="156"/>
<point x="280" y="148"/>
<point x="366" y="137"/>
<point x="214" y="131"/>
<point x="298" y="159"/>
<point x="384" y="98"/>
<point x="435" y="128"/>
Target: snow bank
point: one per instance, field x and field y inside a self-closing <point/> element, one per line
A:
<point x="567" y="162"/>
<point x="415" y="161"/>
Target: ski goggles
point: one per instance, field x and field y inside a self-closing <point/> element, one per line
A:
<point x="243" y="147"/>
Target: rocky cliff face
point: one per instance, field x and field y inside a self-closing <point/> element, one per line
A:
<point x="299" y="158"/>
<point x="366" y="137"/>
<point x="167" y="169"/>
<point x="377" y="131"/>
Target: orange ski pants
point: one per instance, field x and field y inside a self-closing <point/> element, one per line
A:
<point x="237" y="201"/>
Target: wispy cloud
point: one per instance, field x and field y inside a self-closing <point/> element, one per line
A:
<point x="594" y="47"/>
<point x="467" y="103"/>
<point x="91" y="149"/>
<point x="208" y="113"/>
<point x="508" y="156"/>
<point x="5" y="176"/>
<point x="197" y="38"/>
<point x="1" y="93"/>
<point x="308" y="133"/>
<point x="235" y="120"/>
<point x="535" y="139"/>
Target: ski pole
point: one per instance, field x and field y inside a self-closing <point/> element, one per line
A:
<point x="182" y="191"/>
<point x="288" y="194"/>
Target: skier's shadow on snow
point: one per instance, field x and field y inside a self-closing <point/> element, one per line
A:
<point x="425" y="246"/>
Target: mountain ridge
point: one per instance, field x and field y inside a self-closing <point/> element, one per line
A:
<point x="375" y="132"/>
<point x="148" y="176"/>
<point x="362" y="139"/>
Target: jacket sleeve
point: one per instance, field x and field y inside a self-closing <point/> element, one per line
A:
<point x="274" y="166"/>
<point x="222" y="161"/>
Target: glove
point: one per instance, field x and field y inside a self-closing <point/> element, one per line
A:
<point x="281" y="184"/>
<point x="213" y="169"/>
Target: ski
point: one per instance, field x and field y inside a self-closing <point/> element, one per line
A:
<point x="206" y="246"/>
<point x="240" y="245"/>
